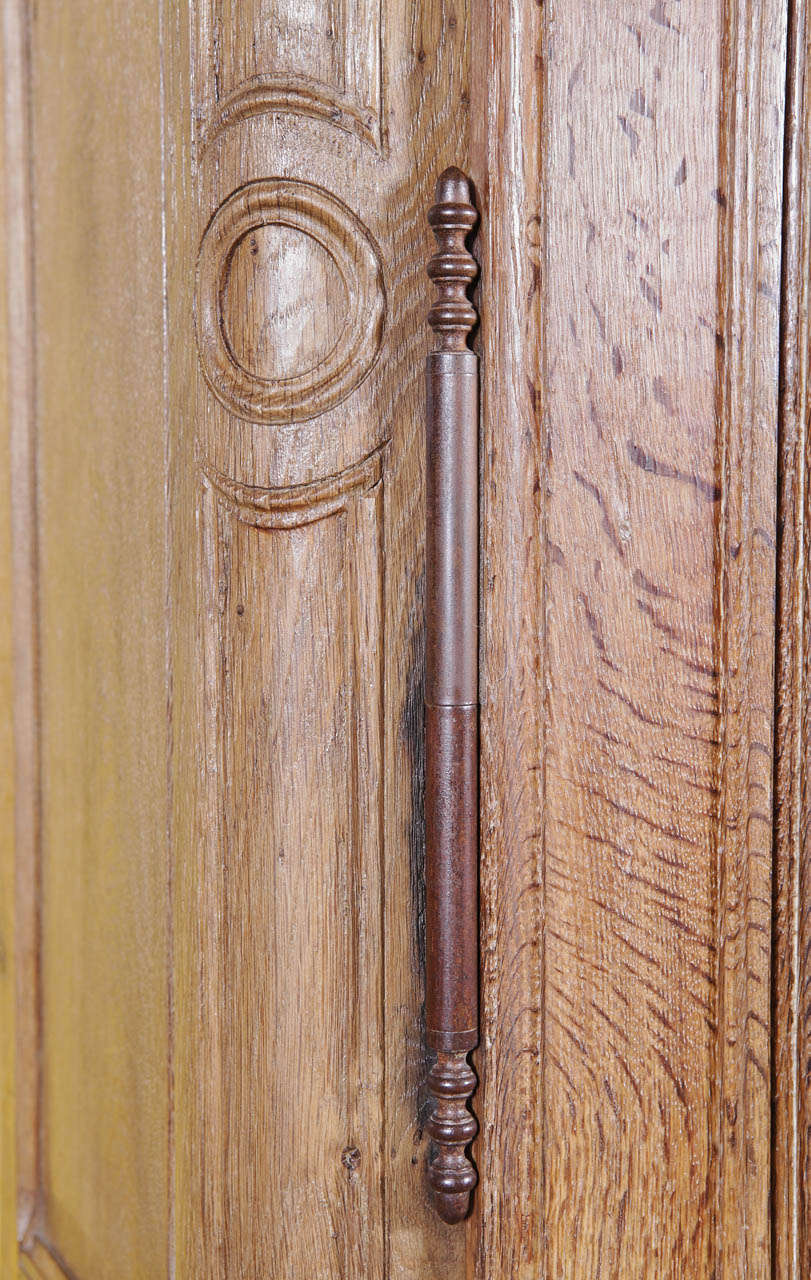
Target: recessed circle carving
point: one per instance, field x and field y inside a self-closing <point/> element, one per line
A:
<point x="290" y="302"/>
<point x="269" y="321"/>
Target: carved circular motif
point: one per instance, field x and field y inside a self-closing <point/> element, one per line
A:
<point x="267" y="315"/>
<point x="278" y="341"/>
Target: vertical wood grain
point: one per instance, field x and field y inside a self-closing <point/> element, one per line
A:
<point x="24" y="703"/>
<point x="9" y="80"/>
<point x="100" y="459"/>
<point x="643" y="1125"/>
<point x="288" y="1125"/>
<point x="317" y="1118"/>
<point x="749" y="292"/>
<point x="791" y="1082"/>
<point x="632" y="666"/>
<point x="506" y="166"/>
<point x="627" y="159"/>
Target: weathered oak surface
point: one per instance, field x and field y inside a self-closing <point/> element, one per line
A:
<point x="630" y="346"/>
<point x="212" y="582"/>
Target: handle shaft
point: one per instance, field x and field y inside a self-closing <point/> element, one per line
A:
<point x="451" y="700"/>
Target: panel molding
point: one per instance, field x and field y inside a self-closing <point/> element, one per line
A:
<point x="720" y="1222"/>
<point x="753" y="79"/>
<point x="38" y="1263"/>
<point x="275" y="94"/>
<point x="507" y="169"/>
<point x="286" y="890"/>
<point x="297" y="505"/>
<point x="296" y="593"/>
<point x="351" y="98"/>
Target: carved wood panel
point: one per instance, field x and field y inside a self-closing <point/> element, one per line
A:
<point x="297" y="508"/>
<point x="215" y="334"/>
<point x="286" y="1127"/>
<point x="314" y="59"/>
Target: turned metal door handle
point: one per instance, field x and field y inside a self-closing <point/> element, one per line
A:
<point x="451" y="700"/>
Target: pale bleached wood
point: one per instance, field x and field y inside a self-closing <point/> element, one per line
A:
<point x="37" y="1262"/>
<point x="9" y="87"/>
<point x="18" y="409"/>
<point x="100" y="451"/>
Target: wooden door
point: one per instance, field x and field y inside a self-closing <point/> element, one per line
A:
<point x="212" y="572"/>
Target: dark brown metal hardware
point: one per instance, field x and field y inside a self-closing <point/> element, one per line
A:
<point x="451" y="701"/>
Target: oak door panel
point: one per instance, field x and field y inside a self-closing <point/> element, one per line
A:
<point x="632" y="274"/>
<point x="215" y="332"/>
<point x="303" y="146"/>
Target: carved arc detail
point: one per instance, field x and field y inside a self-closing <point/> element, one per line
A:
<point x="451" y="701"/>
<point x="319" y="60"/>
<point x="296" y="505"/>
<point x="274" y="94"/>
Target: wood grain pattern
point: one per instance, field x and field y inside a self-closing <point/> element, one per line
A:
<point x="297" y="763"/>
<point x="505" y="165"/>
<point x="89" y="612"/>
<point x="11" y="68"/>
<point x="749" y="291"/>
<point x="275" y="363"/>
<point x="308" y="58"/>
<point x="791" y="1070"/>
<point x="219" y="654"/>
<point x="641" y="1117"/>
<point x="24" y="834"/>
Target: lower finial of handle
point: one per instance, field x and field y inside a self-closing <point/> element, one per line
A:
<point x="452" y="1174"/>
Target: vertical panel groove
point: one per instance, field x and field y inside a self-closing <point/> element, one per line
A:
<point x="751" y="173"/>
<point x="21" y="409"/>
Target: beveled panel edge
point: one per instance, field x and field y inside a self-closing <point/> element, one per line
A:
<point x="38" y="1263"/>
<point x="753" y="71"/>
<point x="507" y="170"/>
<point x="20" y="1121"/>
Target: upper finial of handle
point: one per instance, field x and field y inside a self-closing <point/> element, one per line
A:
<point x="452" y="267"/>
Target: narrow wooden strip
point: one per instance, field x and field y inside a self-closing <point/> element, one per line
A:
<point x="790" y="1079"/>
<point x="9" y="155"/>
<point x="19" y="390"/>
<point x="510" y="192"/>
<point x="749" y="282"/>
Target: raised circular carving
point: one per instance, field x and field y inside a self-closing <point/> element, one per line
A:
<point x="290" y="301"/>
